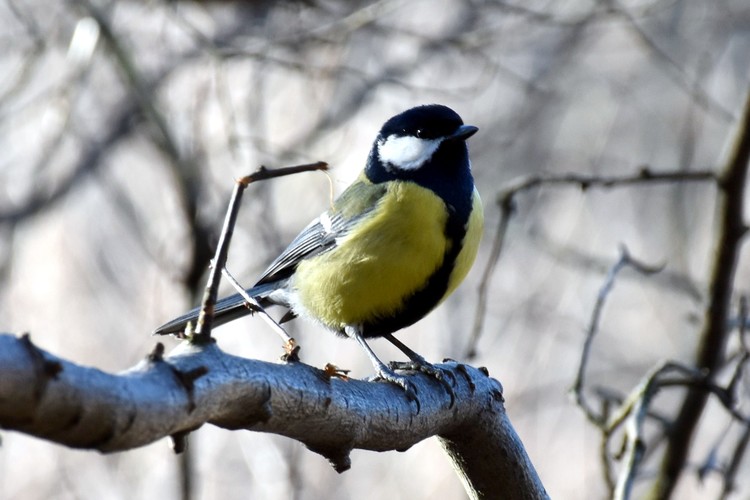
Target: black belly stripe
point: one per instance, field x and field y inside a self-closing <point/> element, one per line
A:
<point x="451" y="180"/>
<point x="424" y="300"/>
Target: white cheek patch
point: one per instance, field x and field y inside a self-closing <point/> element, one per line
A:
<point x="407" y="153"/>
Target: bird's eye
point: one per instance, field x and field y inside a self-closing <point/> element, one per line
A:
<point x="419" y="133"/>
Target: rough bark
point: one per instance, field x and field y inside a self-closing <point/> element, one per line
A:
<point x="84" y="407"/>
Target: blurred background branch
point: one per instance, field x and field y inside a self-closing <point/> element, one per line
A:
<point x="710" y="356"/>
<point x="124" y="124"/>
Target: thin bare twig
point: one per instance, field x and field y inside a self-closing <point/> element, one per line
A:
<point x="743" y="319"/>
<point x="601" y="298"/>
<point x="633" y="414"/>
<point x="210" y="294"/>
<point x="738" y="454"/>
<point x="739" y="369"/>
<point x="275" y="326"/>
<point x="506" y="203"/>
<point x="498" y="243"/>
<point x="601" y="419"/>
<point x="205" y="318"/>
<point x="644" y="175"/>
<point x="710" y="353"/>
<point x="264" y="173"/>
<point x="634" y="411"/>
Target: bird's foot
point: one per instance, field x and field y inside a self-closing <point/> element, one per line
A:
<point x="382" y="372"/>
<point x="419" y="364"/>
<point x="385" y="373"/>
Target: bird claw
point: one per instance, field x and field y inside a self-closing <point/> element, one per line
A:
<point x="439" y="374"/>
<point x="424" y="367"/>
<point x="389" y="375"/>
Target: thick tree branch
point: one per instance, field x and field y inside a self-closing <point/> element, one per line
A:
<point x="490" y="459"/>
<point x="83" y="407"/>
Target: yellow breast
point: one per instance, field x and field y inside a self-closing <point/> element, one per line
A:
<point x="384" y="259"/>
<point x="465" y="259"/>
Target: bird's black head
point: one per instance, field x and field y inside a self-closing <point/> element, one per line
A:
<point x="427" y="145"/>
<point x="432" y="121"/>
<point x="410" y="140"/>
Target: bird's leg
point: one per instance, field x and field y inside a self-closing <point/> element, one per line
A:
<point x="418" y="363"/>
<point x="381" y="370"/>
<point x="291" y="348"/>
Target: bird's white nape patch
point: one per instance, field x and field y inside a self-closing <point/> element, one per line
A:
<point x="407" y="152"/>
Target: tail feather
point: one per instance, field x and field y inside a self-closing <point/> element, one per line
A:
<point x="226" y="309"/>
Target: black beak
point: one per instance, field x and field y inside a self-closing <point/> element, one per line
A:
<point x="462" y="133"/>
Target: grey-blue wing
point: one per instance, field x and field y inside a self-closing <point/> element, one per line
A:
<point x="225" y="310"/>
<point x="319" y="236"/>
<point x="356" y="202"/>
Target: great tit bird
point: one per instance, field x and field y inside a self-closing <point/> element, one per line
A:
<point x="392" y="247"/>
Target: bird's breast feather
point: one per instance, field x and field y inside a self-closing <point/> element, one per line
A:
<point x="381" y="261"/>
